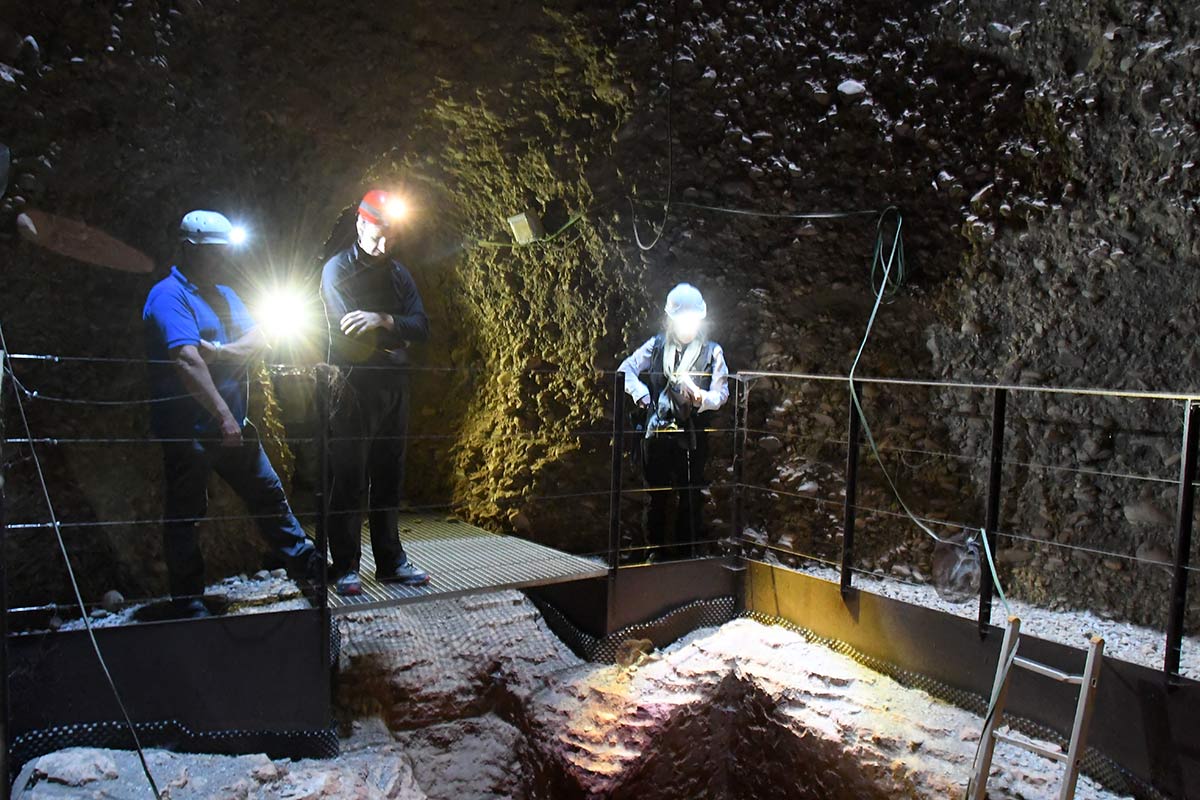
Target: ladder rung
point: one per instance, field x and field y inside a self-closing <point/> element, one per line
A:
<point x="1049" y="672"/>
<point x="1057" y="755"/>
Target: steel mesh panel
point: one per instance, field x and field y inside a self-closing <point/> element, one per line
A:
<point x="663" y="630"/>
<point x="335" y="646"/>
<point x="171" y="734"/>
<point x="462" y="559"/>
<point x="1095" y="764"/>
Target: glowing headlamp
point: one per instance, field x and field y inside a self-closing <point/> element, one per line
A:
<point x="396" y="210"/>
<point x="238" y="235"/>
<point x="687" y="324"/>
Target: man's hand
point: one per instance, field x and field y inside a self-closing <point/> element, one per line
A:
<point x="644" y="401"/>
<point x="692" y="392"/>
<point x="209" y="351"/>
<point x="357" y="322"/>
<point x="231" y="433"/>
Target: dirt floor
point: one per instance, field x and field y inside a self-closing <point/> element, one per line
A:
<point x="475" y="698"/>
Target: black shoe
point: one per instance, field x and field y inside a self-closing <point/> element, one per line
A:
<point x="349" y="584"/>
<point x="191" y="609"/>
<point x="405" y="572"/>
<point x="306" y="567"/>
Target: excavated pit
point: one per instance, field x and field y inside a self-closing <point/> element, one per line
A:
<point x="476" y="698"/>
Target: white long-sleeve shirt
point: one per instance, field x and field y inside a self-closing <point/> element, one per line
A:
<point x="639" y="361"/>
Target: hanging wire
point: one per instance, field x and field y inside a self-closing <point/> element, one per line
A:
<point x="62" y="545"/>
<point x="637" y="237"/>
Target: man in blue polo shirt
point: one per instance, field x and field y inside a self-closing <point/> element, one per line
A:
<point x="200" y="340"/>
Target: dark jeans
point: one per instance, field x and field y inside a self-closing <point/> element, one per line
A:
<point x="249" y="473"/>
<point x="368" y="426"/>
<point x="668" y="464"/>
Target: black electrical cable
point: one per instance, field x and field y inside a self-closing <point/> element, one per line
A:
<point x="637" y="237"/>
<point x="75" y="587"/>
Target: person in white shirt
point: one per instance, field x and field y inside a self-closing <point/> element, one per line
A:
<point x="685" y="380"/>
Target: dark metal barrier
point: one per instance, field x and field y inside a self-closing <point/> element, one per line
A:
<point x="991" y="529"/>
<point x="249" y="683"/>
<point x="1183" y="538"/>
<point x="1145" y="724"/>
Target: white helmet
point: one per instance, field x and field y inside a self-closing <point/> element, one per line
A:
<point x="686" y="300"/>
<point x="207" y="227"/>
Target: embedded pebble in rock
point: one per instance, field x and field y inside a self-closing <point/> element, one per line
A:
<point x="851" y="89"/>
<point x="75" y="767"/>
<point x="1146" y="513"/>
<point x="112" y="601"/>
<point x="770" y="444"/>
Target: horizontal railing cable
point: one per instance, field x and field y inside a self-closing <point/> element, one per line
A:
<point x="961" y="526"/>
<point x="62" y="546"/>
<point x="25" y="526"/>
<point x="750" y="375"/>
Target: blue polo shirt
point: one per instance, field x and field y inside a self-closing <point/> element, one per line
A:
<point x="177" y="314"/>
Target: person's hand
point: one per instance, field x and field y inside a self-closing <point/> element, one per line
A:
<point x="357" y="322"/>
<point x="231" y="433"/>
<point x="692" y="392"/>
<point x="208" y="350"/>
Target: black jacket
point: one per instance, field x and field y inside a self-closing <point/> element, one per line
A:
<point x="351" y="281"/>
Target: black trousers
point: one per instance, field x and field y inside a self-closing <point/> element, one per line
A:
<point x="667" y="464"/>
<point x="368" y="426"/>
<point x="248" y="471"/>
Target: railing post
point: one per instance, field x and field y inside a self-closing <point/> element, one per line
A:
<point x="1183" y="541"/>
<point x="741" y="392"/>
<point x="618" y="451"/>
<point x="4" y="766"/>
<point x="853" y="440"/>
<point x="325" y="374"/>
<point x="991" y="512"/>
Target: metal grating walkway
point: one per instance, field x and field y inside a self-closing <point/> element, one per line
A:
<point x="461" y="559"/>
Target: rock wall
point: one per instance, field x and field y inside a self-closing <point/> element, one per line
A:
<point x="122" y="117"/>
<point x="1040" y="156"/>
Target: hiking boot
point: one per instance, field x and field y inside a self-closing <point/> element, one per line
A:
<point x="405" y="572"/>
<point x="349" y="584"/>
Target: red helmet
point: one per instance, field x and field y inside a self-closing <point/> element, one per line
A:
<point x="382" y="208"/>
<point x="373" y="207"/>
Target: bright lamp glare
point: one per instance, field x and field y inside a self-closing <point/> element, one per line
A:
<point x="237" y="235"/>
<point x="284" y="314"/>
<point x="687" y="325"/>
<point x="396" y="209"/>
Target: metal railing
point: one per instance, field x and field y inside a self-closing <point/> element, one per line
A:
<point x="740" y="432"/>
<point x="991" y="525"/>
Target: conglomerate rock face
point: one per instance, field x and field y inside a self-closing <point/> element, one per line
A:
<point x="124" y="117"/>
<point x="1040" y="154"/>
<point x="476" y="699"/>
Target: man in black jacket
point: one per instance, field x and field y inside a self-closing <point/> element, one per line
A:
<point x="374" y="312"/>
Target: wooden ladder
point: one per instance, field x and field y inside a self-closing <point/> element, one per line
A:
<point x="977" y="790"/>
